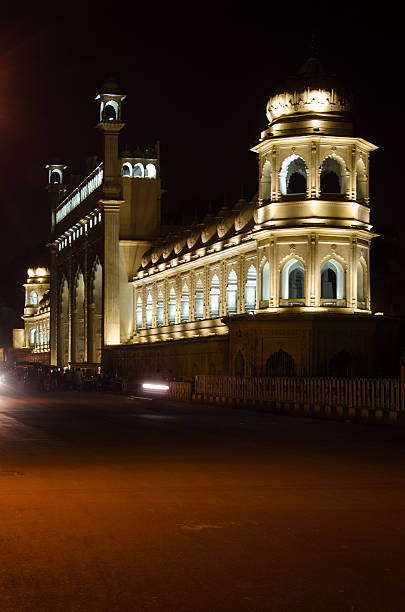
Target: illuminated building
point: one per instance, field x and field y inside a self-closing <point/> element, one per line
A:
<point x="32" y="342"/>
<point x="100" y="230"/>
<point x="279" y="284"/>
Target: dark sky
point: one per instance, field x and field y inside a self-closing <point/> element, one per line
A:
<point x="197" y="77"/>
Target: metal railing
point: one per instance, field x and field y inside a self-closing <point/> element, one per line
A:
<point x="375" y="394"/>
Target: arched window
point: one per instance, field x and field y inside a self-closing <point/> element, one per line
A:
<point x="111" y="111"/>
<point x="214" y="297"/>
<point x="139" y="313"/>
<point x="160" y="309"/>
<point x="199" y="302"/>
<point x="333" y="175"/>
<point x="361" y="181"/>
<point x="250" y="289"/>
<point x="34" y="298"/>
<point x="265" y="281"/>
<point x="171" y="307"/>
<point x="138" y="171"/>
<point x="56" y="177"/>
<point x="126" y="169"/>
<point x="332" y="280"/>
<point x="293" y="280"/>
<point x="33" y="334"/>
<point x="185" y="304"/>
<point x="150" y="171"/>
<point x="293" y="175"/>
<point x="266" y="181"/>
<point x="360" y="282"/>
<point x="232" y="293"/>
<point x="148" y="311"/>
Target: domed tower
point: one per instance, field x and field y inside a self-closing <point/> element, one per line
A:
<point x="314" y="197"/>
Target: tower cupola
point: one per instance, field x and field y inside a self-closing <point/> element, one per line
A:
<point x="110" y="102"/>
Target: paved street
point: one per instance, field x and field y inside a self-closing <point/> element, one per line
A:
<point x="111" y="503"/>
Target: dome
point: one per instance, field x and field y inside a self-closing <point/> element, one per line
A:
<point x="313" y="93"/>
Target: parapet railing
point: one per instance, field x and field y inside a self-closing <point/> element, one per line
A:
<point x="375" y="394"/>
<point x="81" y="192"/>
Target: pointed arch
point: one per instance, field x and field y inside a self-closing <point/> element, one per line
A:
<point x="150" y="171"/>
<point x="250" y="289"/>
<point x="139" y="313"/>
<point x="138" y="171"/>
<point x="95" y="312"/>
<point x="78" y="318"/>
<point x="280" y="364"/>
<point x="361" y="281"/>
<point x="332" y="280"/>
<point x="199" y="301"/>
<point x="110" y="111"/>
<point x="293" y="175"/>
<point x="214" y="296"/>
<point x="127" y="169"/>
<point x="361" y="181"/>
<point x="293" y="280"/>
<point x="149" y="311"/>
<point x="265" y="181"/>
<point x="171" y="307"/>
<point x="333" y="175"/>
<point x="160" y="309"/>
<point x="63" y="322"/>
<point x="264" y="280"/>
<point x="232" y="293"/>
<point x="185" y="304"/>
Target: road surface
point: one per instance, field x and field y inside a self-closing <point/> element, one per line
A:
<point x="111" y="503"/>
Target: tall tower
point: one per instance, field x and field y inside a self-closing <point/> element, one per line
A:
<point x="110" y="126"/>
<point x="314" y="197"/>
<point x="56" y="187"/>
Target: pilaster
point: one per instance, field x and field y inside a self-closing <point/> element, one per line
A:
<point x="54" y="306"/>
<point x="111" y="225"/>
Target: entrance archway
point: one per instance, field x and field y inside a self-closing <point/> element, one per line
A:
<point x="280" y="364"/>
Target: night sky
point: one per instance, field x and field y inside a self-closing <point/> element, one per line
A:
<point x="197" y="77"/>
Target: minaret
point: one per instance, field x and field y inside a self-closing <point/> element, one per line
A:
<point x="56" y="187"/>
<point x="110" y="126"/>
<point x="314" y="198"/>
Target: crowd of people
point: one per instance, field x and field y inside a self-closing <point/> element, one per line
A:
<point x="45" y="378"/>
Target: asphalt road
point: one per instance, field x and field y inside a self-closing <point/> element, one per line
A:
<point x="110" y="503"/>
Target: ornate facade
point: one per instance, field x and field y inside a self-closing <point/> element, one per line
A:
<point x="294" y="258"/>
<point x="32" y="343"/>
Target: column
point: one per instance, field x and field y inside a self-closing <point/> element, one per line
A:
<point x="54" y="306"/>
<point x="111" y="225"/>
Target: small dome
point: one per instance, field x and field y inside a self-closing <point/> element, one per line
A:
<point x="313" y="92"/>
<point x="111" y="87"/>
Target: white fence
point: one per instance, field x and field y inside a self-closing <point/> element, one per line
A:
<point x="180" y="390"/>
<point x="375" y="394"/>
